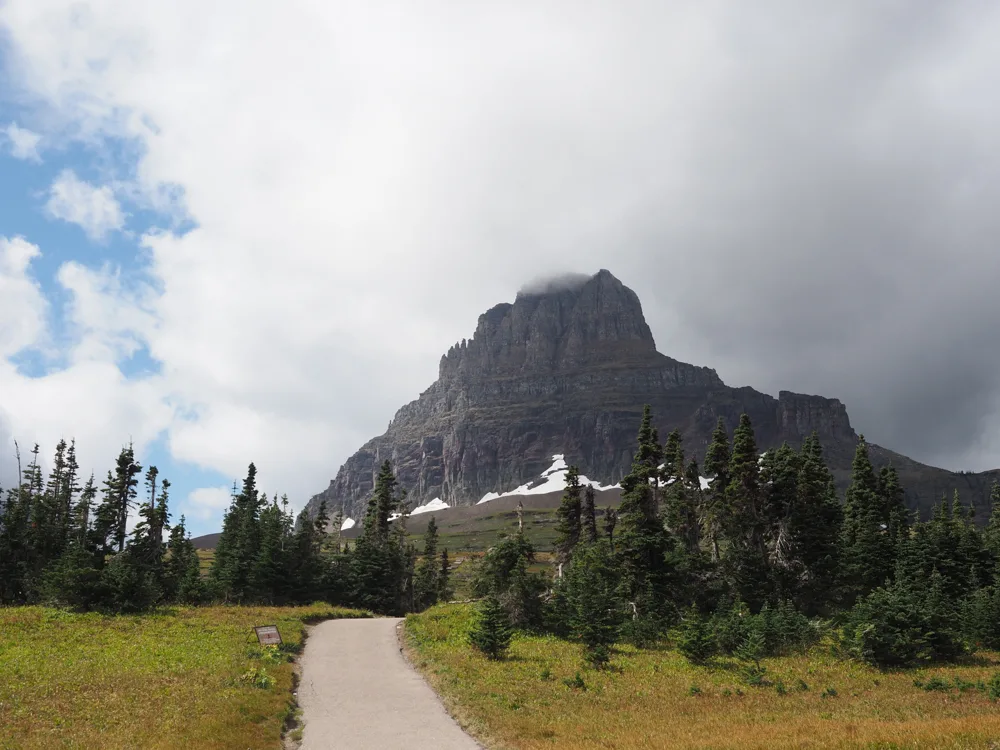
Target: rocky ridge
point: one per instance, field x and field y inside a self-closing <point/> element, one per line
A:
<point x="567" y="370"/>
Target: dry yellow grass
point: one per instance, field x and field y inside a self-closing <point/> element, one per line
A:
<point x="647" y="701"/>
<point x="167" y="680"/>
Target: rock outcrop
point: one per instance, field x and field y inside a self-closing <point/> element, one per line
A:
<point x="567" y="369"/>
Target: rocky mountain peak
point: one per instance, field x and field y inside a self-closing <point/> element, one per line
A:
<point x="565" y="369"/>
<point x="560" y="324"/>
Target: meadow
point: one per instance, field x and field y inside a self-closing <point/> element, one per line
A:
<point x="190" y="677"/>
<point x="655" y="698"/>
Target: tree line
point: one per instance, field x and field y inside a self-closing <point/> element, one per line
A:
<point x="69" y="544"/>
<point x="763" y="559"/>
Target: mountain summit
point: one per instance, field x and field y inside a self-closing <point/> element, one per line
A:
<point x="566" y="369"/>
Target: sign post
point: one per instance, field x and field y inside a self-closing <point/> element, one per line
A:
<point x="268" y="635"/>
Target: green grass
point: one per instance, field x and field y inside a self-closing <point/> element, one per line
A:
<point x="656" y="698"/>
<point x="185" y="677"/>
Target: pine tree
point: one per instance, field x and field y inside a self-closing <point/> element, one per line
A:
<point x="814" y="529"/>
<point x="182" y="568"/>
<point x="492" y="631"/>
<point x="643" y="543"/>
<point x="238" y="547"/>
<point x="866" y="548"/>
<point x="444" y="576"/>
<point x="746" y="559"/>
<point x="696" y="641"/>
<point x="569" y="513"/>
<point x="427" y="585"/>
<point x="588" y="516"/>
<point x="595" y="609"/>
<point x="717" y="469"/>
<point x="991" y="536"/>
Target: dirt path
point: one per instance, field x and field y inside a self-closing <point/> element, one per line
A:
<point x="358" y="692"/>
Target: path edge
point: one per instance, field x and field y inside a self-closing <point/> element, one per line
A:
<point x="466" y="722"/>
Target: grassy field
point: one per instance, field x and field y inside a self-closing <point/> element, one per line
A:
<point x="656" y="699"/>
<point x="180" y="678"/>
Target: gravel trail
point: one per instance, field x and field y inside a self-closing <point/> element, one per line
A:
<point x="357" y="692"/>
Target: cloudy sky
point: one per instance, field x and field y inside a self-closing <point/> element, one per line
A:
<point x="234" y="230"/>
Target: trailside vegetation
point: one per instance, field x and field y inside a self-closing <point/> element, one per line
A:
<point x="69" y="545"/>
<point x="757" y="558"/>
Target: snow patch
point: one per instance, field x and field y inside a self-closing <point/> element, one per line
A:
<point x="435" y="504"/>
<point x="553" y="479"/>
<point x="348" y="523"/>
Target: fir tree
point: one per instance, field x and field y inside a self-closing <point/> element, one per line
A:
<point x="588" y="515"/>
<point x="444" y="576"/>
<point x="427" y="587"/>
<point x="570" y="514"/>
<point x="492" y="631"/>
<point x="182" y="569"/>
<point x="746" y="559"/>
<point x="643" y="543"/>
<point x="717" y="469"/>
<point x="595" y="609"/>
<point x="866" y="548"/>
<point x="696" y="641"/>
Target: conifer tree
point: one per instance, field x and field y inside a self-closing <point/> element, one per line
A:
<point x="427" y="585"/>
<point x="492" y="631"/>
<point x="866" y="548"/>
<point x="588" y="516"/>
<point x="643" y="542"/>
<point x="182" y="568"/>
<point x="717" y="469"/>
<point x="595" y="609"/>
<point x="444" y="577"/>
<point x="746" y="560"/>
<point x="570" y="514"/>
<point x="696" y="641"/>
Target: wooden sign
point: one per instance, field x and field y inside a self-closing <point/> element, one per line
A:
<point x="268" y="635"/>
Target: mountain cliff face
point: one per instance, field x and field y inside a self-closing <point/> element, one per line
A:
<point x="567" y="369"/>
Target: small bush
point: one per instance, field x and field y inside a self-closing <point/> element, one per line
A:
<point x="575" y="683"/>
<point x="546" y="674"/>
<point x="937" y="684"/>
<point x="779" y="688"/>
<point x="830" y="692"/>
<point x="258" y="678"/>
<point x="993" y="687"/>
<point x="694" y="690"/>
<point x="801" y="686"/>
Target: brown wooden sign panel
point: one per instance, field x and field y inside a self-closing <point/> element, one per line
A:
<point x="268" y="635"/>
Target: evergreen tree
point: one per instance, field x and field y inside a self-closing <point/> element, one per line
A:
<point x="643" y="543"/>
<point x="588" y="516"/>
<point x="239" y="544"/>
<point x="696" y="641"/>
<point x="378" y="563"/>
<point x="182" y="569"/>
<point x="746" y="559"/>
<point x="717" y="469"/>
<point x="427" y="585"/>
<point x="595" y="609"/>
<point x="570" y="514"/>
<point x="444" y="576"/>
<point x="814" y="527"/>
<point x="866" y="547"/>
<point x="991" y="537"/>
<point x="492" y="631"/>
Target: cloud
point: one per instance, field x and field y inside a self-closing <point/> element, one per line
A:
<point x="93" y="209"/>
<point x="22" y="143"/>
<point x="22" y="305"/>
<point x="207" y="502"/>
<point x="802" y="198"/>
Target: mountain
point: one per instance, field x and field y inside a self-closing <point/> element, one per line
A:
<point x="566" y="369"/>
